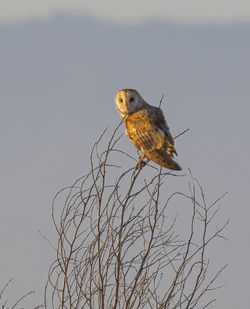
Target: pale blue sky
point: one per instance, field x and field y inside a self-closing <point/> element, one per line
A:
<point x="58" y="79"/>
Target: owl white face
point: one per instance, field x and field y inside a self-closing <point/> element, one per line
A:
<point x="127" y="101"/>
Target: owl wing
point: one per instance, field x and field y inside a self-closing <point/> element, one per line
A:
<point x="149" y="132"/>
<point x="159" y="122"/>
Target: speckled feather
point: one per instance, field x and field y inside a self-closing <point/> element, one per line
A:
<point x="148" y="131"/>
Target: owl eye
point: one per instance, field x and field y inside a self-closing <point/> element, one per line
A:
<point x="121" y="100"/>
<point x="131" y="100"/>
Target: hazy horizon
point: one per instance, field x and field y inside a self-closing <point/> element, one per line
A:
<point x="129" y="11"/>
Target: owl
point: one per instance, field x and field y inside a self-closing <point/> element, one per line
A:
<point x="147" y="128"/>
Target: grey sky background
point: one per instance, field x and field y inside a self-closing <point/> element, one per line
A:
<point x="58" y="77"/>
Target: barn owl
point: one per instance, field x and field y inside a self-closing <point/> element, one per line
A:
<point x="146" y="127"/>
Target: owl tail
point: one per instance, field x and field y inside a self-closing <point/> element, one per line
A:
<point x="171" y="164"/>
<point x="163" y="160"/>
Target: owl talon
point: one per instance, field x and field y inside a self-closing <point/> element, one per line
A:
<point x="140" y="164"/>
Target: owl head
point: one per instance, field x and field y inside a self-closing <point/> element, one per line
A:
<point x="128" y="101"/>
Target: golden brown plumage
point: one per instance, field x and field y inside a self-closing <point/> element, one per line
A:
<point x="146" y="127"/>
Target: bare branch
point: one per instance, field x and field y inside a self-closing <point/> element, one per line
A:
<point x="118" y="241"/>
<point x="185" y="131"/>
